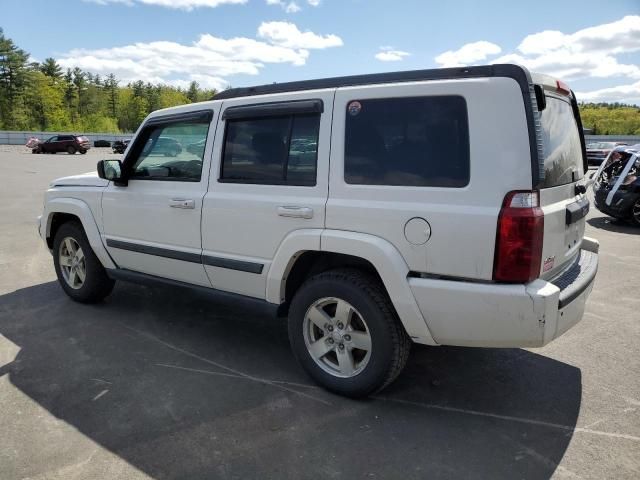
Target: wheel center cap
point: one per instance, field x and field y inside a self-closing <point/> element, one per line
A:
<point x="336" y="336"/>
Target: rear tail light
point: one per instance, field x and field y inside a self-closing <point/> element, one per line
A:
<point x="519" y="238"/>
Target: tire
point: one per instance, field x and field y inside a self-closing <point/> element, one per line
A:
<point x="96" y="284"/>
<point x="370" y="314"/>
<point x="635" y="213"/>
<point x="83" y="152"/>
<point x="71" y="150"/>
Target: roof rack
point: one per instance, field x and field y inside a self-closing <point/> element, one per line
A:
<point x="503" y="70"/>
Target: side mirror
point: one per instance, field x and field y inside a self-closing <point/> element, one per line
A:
<point x="112" y="170"/>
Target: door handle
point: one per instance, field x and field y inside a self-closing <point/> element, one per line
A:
<point x="185" y="203"/>
<point x="293" y="211"/>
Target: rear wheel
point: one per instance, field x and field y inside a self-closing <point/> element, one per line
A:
<point x="79" y="271"/>
<point x="345" y="333"/>
<point x="71" y="150"/>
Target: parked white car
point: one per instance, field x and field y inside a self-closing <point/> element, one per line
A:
<point x="443" y="207"/>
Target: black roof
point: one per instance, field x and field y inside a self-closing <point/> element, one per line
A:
<point x="516" y="72"/>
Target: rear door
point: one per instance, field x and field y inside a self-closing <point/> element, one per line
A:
<point x="564" y="206"/>
<point x="269" y="179"/>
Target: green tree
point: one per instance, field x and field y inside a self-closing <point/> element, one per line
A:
<point x="51" y="68"/>
<point x="193" y="92"/>
<point x="13" y="82"/>
<point x="111" y="90"/>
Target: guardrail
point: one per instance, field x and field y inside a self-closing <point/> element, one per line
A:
<point x="20" y="138"/>
<point x="628" y="139"/>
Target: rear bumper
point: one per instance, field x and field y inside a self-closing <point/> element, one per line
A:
<point x="499" y="315"/>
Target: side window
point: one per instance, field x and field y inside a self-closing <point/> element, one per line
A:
<point x="171" y="151"/>
<point x="277" y="150"/>
<point x="416" y="141"/>
<point x="52" y="139"/>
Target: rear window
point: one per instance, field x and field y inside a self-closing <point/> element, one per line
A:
<point x="563" y="151"/>
<point x="416" y="141"/>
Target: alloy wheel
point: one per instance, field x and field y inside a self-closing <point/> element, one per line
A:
<point x="337" y="337"/>
<point x="72" y="263"/>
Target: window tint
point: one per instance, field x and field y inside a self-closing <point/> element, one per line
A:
<point x="563" y="151"/>
<point x="417" y="141"/>
<point x="172" y="151"/>
<point x="278" y="150"/>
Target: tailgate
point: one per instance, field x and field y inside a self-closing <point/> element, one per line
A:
<point x="562" y="196"/>
<point x="564" y="223"/>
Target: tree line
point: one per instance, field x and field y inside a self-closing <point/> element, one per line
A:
<point x="41" y="96"/>
<point x="611" y="118"/>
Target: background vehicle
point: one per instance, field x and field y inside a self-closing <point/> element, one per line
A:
<point x="63" y="143"/>
<point x="167" y="146"/>
<point x="624" y="204"/>
<point x="197" y="148"/>
<point x="101" y="143"/>
<point x="119" y="146"/>
<point x="598" y="151"/>
<point x="373" y="211"/>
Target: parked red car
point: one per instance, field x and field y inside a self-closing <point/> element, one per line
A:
<point x="63" y="143"/>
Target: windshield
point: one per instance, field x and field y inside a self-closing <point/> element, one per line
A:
<point x="562" y="147"/>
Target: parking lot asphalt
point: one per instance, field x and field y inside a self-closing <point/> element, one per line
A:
<point x="171" y="383"/>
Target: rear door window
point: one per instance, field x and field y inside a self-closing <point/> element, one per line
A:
<point x="414" y="141"/>
<point x="278" y="150"/>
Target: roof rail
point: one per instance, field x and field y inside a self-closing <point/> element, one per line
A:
<point x="503" y="70"/>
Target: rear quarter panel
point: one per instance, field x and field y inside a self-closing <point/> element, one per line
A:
<point x="462" y="220"/>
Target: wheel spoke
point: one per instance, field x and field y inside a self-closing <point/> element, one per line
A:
<point x="320" y="348"/>
<point x="80" y="273"/>
<point x="343" y="313"/>
<point x="360" y="340"/>
<point x="319" y="317"/>
<point x="73" y="276"/>
<point x="79" y="255"/>
<point x="68" y="244"/>
<point x="345" y="362"/>
<point x="65" y="261"/>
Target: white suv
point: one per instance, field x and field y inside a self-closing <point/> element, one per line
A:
<point x="443" y="207"/>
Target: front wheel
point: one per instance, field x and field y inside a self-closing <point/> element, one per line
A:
<point x="83" y="152"/>
<point x="79" y="271"/>
<point x="345" y="333"/>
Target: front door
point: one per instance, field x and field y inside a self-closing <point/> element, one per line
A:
<point x="152" y="225"/>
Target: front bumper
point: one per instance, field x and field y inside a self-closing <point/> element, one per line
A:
<point x="499" y="315"/>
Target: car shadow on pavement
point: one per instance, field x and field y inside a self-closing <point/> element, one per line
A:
<point x="181" y="385"/>
<point x="613" y="225"/>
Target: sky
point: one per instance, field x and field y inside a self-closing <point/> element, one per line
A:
<point x="592" y="45"/>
